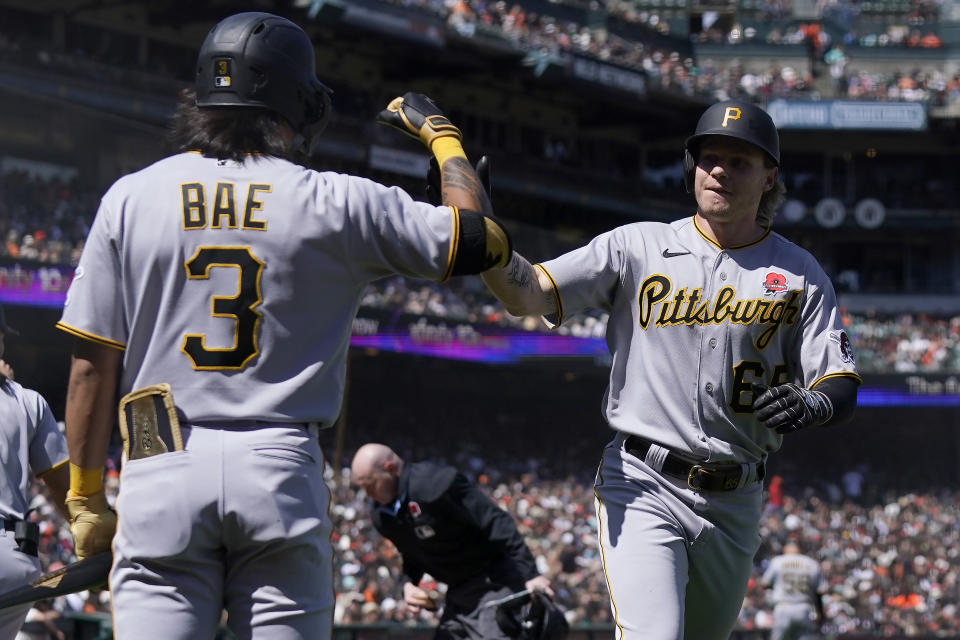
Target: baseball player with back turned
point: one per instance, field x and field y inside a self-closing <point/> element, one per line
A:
<point x="724" y="337"/>
<point x="798" y="587"/>
<point x="216" y="291"/>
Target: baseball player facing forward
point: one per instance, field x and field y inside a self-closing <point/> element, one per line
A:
<point x="216" y="291"/>
<point x="30" y="441"/>
<point x="798" y="586"/>
<point x="725" y="336"/>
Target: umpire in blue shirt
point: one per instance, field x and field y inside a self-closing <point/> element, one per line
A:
<point x="444" y="525"/>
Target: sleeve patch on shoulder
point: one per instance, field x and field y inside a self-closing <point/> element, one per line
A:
<point x="844" y="345"/>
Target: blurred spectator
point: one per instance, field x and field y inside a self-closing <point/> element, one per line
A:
<point x="853" y="480"/>
<point x="775" y="493"/>
<point x="42" y="614"/>
<point x="837" y="62"/>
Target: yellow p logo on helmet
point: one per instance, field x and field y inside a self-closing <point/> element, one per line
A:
<point x="732" y="113"/>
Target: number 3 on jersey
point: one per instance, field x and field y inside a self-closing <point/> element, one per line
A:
<point x="241" y="308"/>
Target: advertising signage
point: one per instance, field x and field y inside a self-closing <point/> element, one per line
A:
<point x="848" y="114"/>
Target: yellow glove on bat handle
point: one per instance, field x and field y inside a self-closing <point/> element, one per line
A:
<point x="92" y="521"/>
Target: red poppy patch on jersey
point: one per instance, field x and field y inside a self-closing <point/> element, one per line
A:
<point x="775" y="283"/>
<point x="414" y="509"/>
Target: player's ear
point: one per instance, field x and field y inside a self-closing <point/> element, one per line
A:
<point x="770" y="179"/>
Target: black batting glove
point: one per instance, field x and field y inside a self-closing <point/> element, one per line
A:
<point x="419" y="117"/>
<point x="434" y="192"/>
<point x="789" y="407"/>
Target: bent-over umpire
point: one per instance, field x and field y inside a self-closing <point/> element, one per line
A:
<point x="444" y="525"/>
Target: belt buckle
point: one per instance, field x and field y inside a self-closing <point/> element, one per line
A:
<point x="694" y="478"/>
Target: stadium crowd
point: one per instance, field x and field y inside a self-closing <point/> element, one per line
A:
<point x="732" y="80"/>
<point x="905" y="343"/>
<point x="676" y="69"/>
<point x="645" y="45"/>
<point x="891" y="565"/>
<point x="43" y="220"/>
<point x="890" y="557"/>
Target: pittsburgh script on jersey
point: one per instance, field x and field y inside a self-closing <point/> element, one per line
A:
<point x="689" y="308"/>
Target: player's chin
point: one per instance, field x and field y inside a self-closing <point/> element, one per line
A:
<point x="718" y="211"/>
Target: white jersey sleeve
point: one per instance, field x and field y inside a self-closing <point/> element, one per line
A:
<point x="389" y="232"/>
<point x="30" y="440"/>
<point x="822" y="348"/>
<point x="48" y="447"/>
<point x="96" y="287"/>
<point x="590" y="274"/>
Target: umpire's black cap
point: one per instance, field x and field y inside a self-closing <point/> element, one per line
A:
<point x="742" y="120"/>
<point x="4" y="327"/>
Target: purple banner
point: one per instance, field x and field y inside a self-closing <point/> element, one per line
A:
<point x="459" y="340"/>
<point x="504" y="349"/>
<point x="911" y="390"/>
<point x="36" y="286"/>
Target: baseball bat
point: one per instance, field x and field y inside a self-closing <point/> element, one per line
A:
<point x="86" y="574"/>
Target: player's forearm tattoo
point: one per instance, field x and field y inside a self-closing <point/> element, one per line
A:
<point x="523" y="275"/>
<point x="519" y="273"/>
<point x="459" y="182"/>
<point x="518" y="286"/>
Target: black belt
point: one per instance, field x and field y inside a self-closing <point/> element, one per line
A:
<point x="698" y="477"/>
<point x="26" y="533"/>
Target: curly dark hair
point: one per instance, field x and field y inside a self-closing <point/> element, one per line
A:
<point x="229" y="133"/>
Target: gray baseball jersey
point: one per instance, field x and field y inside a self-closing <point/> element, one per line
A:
<point x="30" y="441"/>
<point x="692" y="325"/>
<point x="795" y="579"/>
<point x="237" y="283"/>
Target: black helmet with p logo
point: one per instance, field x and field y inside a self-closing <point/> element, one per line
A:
<point x="736" y="119"/>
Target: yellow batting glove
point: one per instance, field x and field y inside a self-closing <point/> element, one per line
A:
<point x="92" y="521"/>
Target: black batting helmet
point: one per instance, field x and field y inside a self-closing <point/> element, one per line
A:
<point x="742" y="120"/>
<point x="256" y="59"/>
